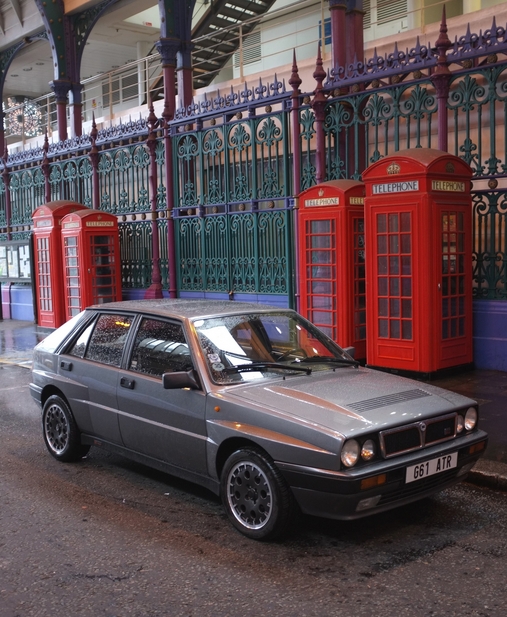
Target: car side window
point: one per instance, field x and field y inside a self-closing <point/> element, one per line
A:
<point x="79" y="347"/>
<point x="160" y="347"/>
<point x="107" y="340"/>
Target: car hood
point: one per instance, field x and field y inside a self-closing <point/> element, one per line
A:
<point x="350" y="400"/>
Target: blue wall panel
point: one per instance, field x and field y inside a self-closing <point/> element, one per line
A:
<point x="21" y="302"/>
<point x="490" y="334"/>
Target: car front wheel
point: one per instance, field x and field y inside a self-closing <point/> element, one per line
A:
<point x="256" y="497"/>
<point x="60" y="431"/>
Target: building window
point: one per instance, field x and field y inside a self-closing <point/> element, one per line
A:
<point x="380" y="13"/>
<point x="251" y="51"/>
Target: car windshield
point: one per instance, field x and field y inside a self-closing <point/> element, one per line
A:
<point x="248" y="347"/>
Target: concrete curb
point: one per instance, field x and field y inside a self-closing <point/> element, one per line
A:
<point x="491" y="474"/>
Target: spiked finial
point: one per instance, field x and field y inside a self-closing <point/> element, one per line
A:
<point x="295" y="80"/>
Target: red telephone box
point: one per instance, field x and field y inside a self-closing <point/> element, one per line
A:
<point x="331" y="261"/>
<point x="48" y="261"/>
<point x="418" y="218"/>
<point x="91" y="259"/>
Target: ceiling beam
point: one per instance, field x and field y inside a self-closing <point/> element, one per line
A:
<point x="17" y="9"/>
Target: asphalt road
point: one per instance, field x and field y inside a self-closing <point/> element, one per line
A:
<point x="110" y="538"/>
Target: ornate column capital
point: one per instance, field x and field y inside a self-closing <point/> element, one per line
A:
<point x="168" y="49"/>
<point x="61" y="89"/>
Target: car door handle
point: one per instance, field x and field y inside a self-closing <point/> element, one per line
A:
<point x="65" y="365"/>
<point x="125" y="382"/>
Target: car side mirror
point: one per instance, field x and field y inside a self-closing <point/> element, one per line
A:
<point x="181" y="379"/>
<point x="350" y="350"/>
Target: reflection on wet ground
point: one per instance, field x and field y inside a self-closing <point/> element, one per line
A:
<point x="489" y="389"/>
<point x="17" y="340"/>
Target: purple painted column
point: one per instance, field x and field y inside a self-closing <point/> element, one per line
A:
<point x="2" y="131"/>
<point x="155" y="289"/>
<point x="76" y="110"/>
<point x="184" y="72"/>
<point x="46" y="169"/>
<point x="318" y="106"/>
<point x="168" y="49"/>
<point x="61" y="89"/>
<point x="339" y="37"/>
<point x="94" y="160"/>
<point x="354" y="29"/>
<point x="295" y="82"/>
<point x="441" y="79"/>
<point x="7" y="179"/>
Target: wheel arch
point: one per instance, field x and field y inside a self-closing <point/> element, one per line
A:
<point x="232" y="444"/>
<point x="49" y="391"/>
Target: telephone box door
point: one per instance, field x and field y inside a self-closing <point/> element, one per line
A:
<point x="91" y="260"/>
<point x="50" y="300"/>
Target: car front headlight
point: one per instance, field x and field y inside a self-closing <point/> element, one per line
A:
<point x="368" y="450"/>
<point x="470" y="418"/>
<point x="460" y="424"/>
<point x="350" y="453"/>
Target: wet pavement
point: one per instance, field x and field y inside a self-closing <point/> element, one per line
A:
<point x="488" y="388"/>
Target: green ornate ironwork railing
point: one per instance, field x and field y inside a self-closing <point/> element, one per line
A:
<point x="27" y="194"/>
<point x="489" y="249"/>
<point x="124" y="179"/>
<point x="135" y="250"/>
<point x="478" y="107"/>
<point x="232" y="215"/>
<point x="72" y="180"/>
<point x="3" y="217"/>
<point x="364" y="127"/>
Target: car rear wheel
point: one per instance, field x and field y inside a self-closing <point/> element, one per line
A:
<point x="256" y="497"/>
<point x="60" y="431"/>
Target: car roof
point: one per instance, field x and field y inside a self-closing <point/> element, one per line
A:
<point x="187" y="308"/>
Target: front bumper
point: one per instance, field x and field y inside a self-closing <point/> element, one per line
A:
<point x="339" y="495"/>
<point x="36" y="393"/>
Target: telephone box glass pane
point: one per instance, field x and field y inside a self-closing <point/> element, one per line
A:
<point x="453" y="274"/>
<point x="394" y="281"/>
<point x="394" y="222"/>
<point x="320" y="270"/>
<point x="103" y="269"/>
<point x="44" y="275"/>
<point x="359" y="281"/>
<point x="72" y="283"/>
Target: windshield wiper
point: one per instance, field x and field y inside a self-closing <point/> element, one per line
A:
<point x="258" y="366"/>
<point x="332" y="359"/>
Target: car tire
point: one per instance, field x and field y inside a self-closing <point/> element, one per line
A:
<point x="255" y="495"/>
<point x="60" y="431"/>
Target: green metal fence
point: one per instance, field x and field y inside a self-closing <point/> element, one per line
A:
<point x="232" y="215"/>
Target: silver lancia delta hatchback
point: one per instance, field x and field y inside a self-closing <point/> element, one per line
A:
<point x="254" y="403"/>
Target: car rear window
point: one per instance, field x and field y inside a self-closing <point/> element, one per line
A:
<point x="107" y="340"/>
<point x="51" y="343"/>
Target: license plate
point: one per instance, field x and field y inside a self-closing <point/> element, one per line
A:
<point x="430" y="468"/>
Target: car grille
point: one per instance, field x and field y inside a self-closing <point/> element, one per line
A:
<point x="417" y="435"/>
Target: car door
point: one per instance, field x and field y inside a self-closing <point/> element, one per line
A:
<point x="168" y="425"/>
<point x="93" y="361"/>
